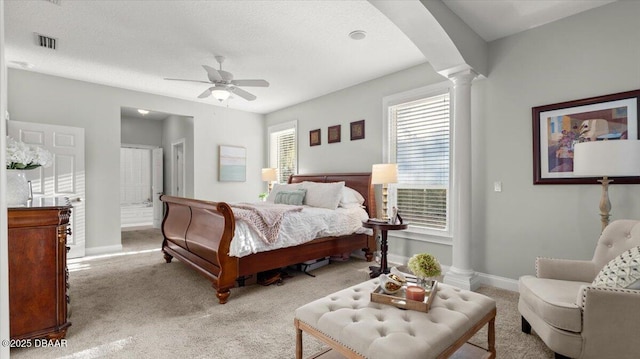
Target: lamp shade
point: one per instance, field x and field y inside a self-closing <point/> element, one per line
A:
<point x="384" y="173"/>
<point x="269" y="174"/>
<point x="614" y="158"/>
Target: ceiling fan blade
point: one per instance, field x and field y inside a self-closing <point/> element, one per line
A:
<point x="206" y="93"/>
<point x="252" y="83"/>
<point x="204" y="82"/>
<point x="242" y="93"/>
<point x="212" y="73"/>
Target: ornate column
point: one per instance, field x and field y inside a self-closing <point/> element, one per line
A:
<point x="460" y="273"/>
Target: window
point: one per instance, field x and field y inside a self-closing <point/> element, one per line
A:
<point x="283" y="153"/>
<point x="419" y="142"/>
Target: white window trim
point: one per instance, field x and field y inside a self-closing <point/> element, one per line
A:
<point x="277" y="128"/>
<point x="413" y="233"/>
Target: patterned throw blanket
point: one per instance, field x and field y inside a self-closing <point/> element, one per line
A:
<point x="264" y="218"/>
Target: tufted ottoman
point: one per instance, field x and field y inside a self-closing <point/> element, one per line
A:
<point x="357" y="328"/>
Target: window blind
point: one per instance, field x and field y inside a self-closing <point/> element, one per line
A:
<point x="285" y="142"/>
<point x="420" y="138"/>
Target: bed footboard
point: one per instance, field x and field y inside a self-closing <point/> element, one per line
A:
<point x="199" y="234"/>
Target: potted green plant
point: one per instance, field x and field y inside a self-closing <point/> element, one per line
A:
<point x="425" y="267"/>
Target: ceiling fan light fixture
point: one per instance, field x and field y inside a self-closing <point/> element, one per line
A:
<point x="220" y="94"/>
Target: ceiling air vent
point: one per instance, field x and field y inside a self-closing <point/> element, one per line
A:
<point x="46" y="41"/>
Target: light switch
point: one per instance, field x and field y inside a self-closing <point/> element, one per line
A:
<point x="497" y="186"/>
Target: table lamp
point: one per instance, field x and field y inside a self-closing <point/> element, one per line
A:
<point x="614" y="158"/>
<point x="383" y="174"/>
<point x="269" y="175"/>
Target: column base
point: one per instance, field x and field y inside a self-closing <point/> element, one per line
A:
<point x="463" y="279"/>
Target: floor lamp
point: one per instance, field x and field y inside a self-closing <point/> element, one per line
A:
<point x="615" y="158"/>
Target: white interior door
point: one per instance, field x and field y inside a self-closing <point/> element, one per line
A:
<point x="157" y="185"/>
<point x="65" y="178"/>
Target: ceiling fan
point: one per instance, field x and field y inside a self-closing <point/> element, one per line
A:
<point x="224" y="85"/>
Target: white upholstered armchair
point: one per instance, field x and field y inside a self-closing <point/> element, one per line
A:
<point x="581" y="309"/>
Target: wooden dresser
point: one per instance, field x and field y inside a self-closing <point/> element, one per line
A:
<point x="38" y="276"/>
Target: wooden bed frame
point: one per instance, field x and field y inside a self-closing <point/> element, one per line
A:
<point x="199" y="234"/>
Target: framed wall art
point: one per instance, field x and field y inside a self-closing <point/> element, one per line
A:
<point x="314" y="137"/>
<point x="357" y="130"/>
<point x="333" y="134"/>
<point x="558" y="127"/>
<point x="233" y="164"/>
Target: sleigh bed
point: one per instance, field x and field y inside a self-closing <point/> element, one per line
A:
<point x="200" y="233"/>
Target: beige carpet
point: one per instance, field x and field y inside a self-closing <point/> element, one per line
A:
<point x="136" y="306"/>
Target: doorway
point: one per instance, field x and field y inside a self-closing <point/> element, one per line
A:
<point x="136" y="187"/>
<point x="167" y="142"/>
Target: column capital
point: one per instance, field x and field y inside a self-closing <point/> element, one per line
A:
<point x="463" y="77"/>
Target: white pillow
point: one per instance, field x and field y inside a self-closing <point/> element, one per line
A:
<point x="281" y="187"/>
<point x="622" y="271"/>
<point x="351" y="198"/>
<point x="323" y="195"/>
<point x="350" y="205"/>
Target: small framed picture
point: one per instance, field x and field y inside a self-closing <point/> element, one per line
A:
<point x="357" y="130"/>
<point x="334" y="134"/>
<point x="314" y="137"/>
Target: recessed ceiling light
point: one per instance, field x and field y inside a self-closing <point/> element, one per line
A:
<point x="358" y="34"/>
<point x="143" y="112"/>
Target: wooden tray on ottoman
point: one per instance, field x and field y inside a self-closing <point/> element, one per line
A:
<point x="399" y="299"/>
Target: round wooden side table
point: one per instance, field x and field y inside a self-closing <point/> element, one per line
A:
<point x="383" y="228"/>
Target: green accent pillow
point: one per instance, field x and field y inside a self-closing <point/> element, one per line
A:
<point x="291" y="197"/>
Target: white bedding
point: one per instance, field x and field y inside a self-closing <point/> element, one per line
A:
<point x="300" y="227"/>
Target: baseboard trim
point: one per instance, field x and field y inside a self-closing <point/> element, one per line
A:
<point x="95" y="251"/>
<point x="498" y="282"/>
<point x="482" y="279"/>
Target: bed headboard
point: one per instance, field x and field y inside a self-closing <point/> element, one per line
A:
<point x="360" y="182"/>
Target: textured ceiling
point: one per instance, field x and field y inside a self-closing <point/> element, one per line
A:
<point x="301" y="47"/>
<point x="494" y="19"/>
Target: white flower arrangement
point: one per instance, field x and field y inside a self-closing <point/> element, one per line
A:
<point x="20" y="156"/>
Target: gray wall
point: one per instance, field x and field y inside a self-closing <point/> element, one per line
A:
<point x="242" y="129"/>
<point x="178" y="128"/>
<point x="138" y="131"/>
<point x="590" y="54"/>
<point x="363" y="101"/>
<point x="567" y="60"/>
<point x="35" y="97"/>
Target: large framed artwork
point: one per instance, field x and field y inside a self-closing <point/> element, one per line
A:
<point x="558" y="127"/>
<point x="233" y="164"/>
